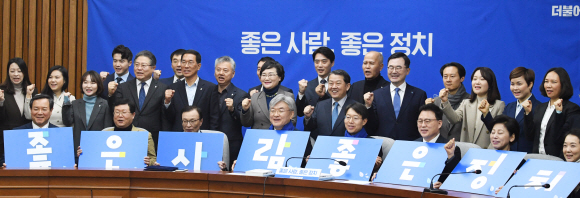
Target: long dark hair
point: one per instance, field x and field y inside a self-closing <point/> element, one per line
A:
<point x="47" y="90"/>
<point x="8" y="86"/>
<point x="492" y="90"/>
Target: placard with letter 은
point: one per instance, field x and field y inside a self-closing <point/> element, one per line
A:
<point x="563" y="177"/>
<point x="193" y="151"/>
<point x="412" y="163"/>
<point x="269" y="149"/>
<point x="496" y="168"/>
<point x="39" y="148"/>
<point x="113" y="149"/>
<point x="359" y="154"/>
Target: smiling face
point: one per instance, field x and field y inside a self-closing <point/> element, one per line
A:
<point x="520" y="88"/>
<point x="397" y="71"/>
<point x="89" y="86"/>
<point x="40" y="112"/>
<point x="176" y="65"/>
<point x="143" y="68"/>
<point x="189" y="65"/>
<point x="353" y="121"/>
<point x="451" y="78"/>
<point x="120" y="65"/>
<point x="428" y="125"/>
<point x="56" y="81"/>
<point x="280" y="115"/>
<point x="270" y="78"/>
<point x="337" y="88"/>
<point x="16" y="75"/>
<point x="500" y="137"/>
<point x="571" y="148"/>
<point x="224" y="72"/>
<point x="371" y="65"/>
<point x="322" y="65"/>
<point x="479" y="85"/>
<point x="123" y="117"/>
<point x="552" y="85"/>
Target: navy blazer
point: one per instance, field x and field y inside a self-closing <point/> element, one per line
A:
<point x="230" y="122"/>
<point x="167" y="81"/>
<point x="449" y="163"/>
<point x="29" y="126"/>
<point x="259" y="88"/>
<point x="310" y="97"/>
<point x="205" y="98"/>
<point x="382" y="120"/>
<point x="110" y="77"/>
<point x="356" y="89"/>
<point x="320" y="123"/>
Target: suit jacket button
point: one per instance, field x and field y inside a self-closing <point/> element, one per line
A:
<point x="259" y="111"/>
<point x="262" y="124"/>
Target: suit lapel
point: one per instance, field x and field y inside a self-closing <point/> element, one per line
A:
<point x="132" y="84"/>
<point x="262" y="105"/>
<point x="520" y="117"/>
<point x="390" y="108"/>
<point x="183" y="93"/>
<point x="199" y="92"/>
<point x="83" y="112"/>
<point x="408" y="96"/>
<point x="150" y="92"/>
<point x="470" y="114"/>
<point x="480" y="126"/>
<point x="340" y="118"/>
<point x="94" y="113"/>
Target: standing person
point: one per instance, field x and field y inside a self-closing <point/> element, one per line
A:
<point x="91" y="113"/>
<point x="310" y="92"/>
<point x="372" y="67"/>
<point x="122" y="60"/>
<point x="176" y="66"/>
<point x="56" y="85"/>
<point x="12" y="98"/>
<point x="259" y="88"/>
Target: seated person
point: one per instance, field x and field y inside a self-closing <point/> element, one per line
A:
<point x="505" y="132"/>
<point x="571" y="152"/>
<point x="123" y="114"/>
<point x="354" y="121"/>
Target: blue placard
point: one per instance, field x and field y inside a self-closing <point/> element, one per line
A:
<point x="269" y="149"/>
<point x="562" y="177"/>
<point x="359" y="154"/>
<point x="39" y="148"/>
<point x="113" y="149"/>
<point x="193" y="151"/>
<point x="412" y="163"/>
<point x="496" y="168"/>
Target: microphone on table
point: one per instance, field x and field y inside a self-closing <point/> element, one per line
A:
<point x="439" y="191"/>
<point x="543" y="186"/>
<point x="339" y="162"/>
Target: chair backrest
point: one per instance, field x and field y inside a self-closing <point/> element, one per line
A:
<point x="386" y="146"/>
<point x="226" y="154"/>
<point x="465" y="146"/>
<point x="542" y="156"/>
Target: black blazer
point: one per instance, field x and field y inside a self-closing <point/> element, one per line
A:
<point x="382" y="120"/>
<point x="558" y="126"/>
<point x="259" y="88"/>
<point x="29" y="126"/>
<point x="75" y="113"/>
<point x="310" y="97"/>
<point x="167" y="81"/>
<point x="206" y="98"/>
<point x="449" y="163"/>
<point x="356" y="91"/>
<point x="320" y="123"/>
<point x="110" y="77"/>
<point x="10" y="117"/>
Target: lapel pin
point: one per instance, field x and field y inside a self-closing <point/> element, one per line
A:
<point x="232" y="94"/>
<point x="201" y="88"/>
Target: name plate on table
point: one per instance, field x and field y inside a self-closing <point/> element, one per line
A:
<point x="269" y="149"/>
<point x="113" y="149"/>
<point x="39" y="148"/>
<point x="562" y="177"/>
<point x="412" y="163"/>
<point x="193" y="151"/>
<point x="298" y="173"/>
<point x="496" y="168"/>
<point x="359" y="154"/>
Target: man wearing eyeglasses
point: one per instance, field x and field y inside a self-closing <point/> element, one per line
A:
<point x="193" y="91"/>
<point x="146" y="93"/>
<point x="310" y="92"/>
<point x="394" y="109"/>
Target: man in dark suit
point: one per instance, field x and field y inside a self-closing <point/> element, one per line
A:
<point x="327" y="118"/>
<point x="230" y="104"/>
<point x="193" y="91"/>
<point x="258" y="88"/>
<point x="40" y="109"/>
<point x="147" y="93"/>
<point x="176" y="66"/>
<point x="310" y="92"/>
<point x="122" y="59"/>
<point x="429" y="123"/>
<point x="372" y="67"/>
<point x="393" y="110"/>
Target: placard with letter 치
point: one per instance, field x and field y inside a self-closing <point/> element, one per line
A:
<point x="193" y="151"/>
<point x="39" y="148"/>
<point x="113" y="149"/>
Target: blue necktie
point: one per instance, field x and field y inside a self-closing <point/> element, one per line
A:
<point x="397" y="102"/>
<point x="334" y="113"/>
<point x="142" y="95"/>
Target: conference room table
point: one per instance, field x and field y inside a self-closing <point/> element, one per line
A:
<point x="73" y="182"/>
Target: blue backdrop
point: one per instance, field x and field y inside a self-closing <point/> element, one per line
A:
<point x="497" y="34"/>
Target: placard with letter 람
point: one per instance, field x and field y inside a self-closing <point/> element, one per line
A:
<point x="39" y="148"/>
<point x="193" y="151"/>
<point x="113" y="149"/>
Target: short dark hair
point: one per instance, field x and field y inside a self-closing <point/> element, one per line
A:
<point x="274" y="64"/>
<point x="344" y="74"/>
<point x="324" y="51"/>
<point x="492" y="90"/>
<point x="95" y="77"/>
<point x="177" y="52"/>
<point x="8" y="86"/>
<point x="574" y="132"/>
<point x="433" y="108"/>
<point x="511" y="124"/>
<point x="191" y="51"/>
<point x="265" y="59"/>
<point x="47" y="90"/>
<point x="124" y="51"/>
<point x="460" y="68"/>
<point x="400" y="55"/>
<point x="148" y="54"/>
<point x="528" y="75"/>
<point x="192" y="108"/>
<point x="359" y="109"/>
<point x="124" y="101"/>
<point x="42" y="96"/>
<point x="566" y="89"/>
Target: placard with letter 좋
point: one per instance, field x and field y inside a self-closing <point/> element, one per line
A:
<point x="39" y="148"/>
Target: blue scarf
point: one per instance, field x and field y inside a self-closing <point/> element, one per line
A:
<point x="287" y="127"/>
<point x="89" y="104"/>
<point x="361" y="134"/>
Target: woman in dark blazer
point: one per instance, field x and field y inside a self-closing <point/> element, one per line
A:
<point x="12" y="94"/>
<point x="547" y="126"/>
<point x="91" y="113"/>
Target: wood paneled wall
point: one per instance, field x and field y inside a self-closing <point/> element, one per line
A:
<point x="45" y="33"/>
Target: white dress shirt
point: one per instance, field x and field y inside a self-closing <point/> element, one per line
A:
<point x="146" y="87"/>
<point x="433" y="140"/>
<point x="549" y="110"/>
<point x="34" y="126"/>
<point x="402" y="88"/>
<point x="191" y="91"/>
<point x="123" y="77"/>
<point x="176" y="79"/>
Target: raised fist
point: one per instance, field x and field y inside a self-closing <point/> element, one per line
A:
<point x="484" y="107"/>
<point x="302" y="84"/>
<point x="230" y="104"/>
<point x="527" y="106"/>
<point x="429" y="100"/>
<point x="253" y="92"/>
<point x="443" y="94"/>
<point x="450" y="148"/>
<point x="369" y="97"/>
<point x="156" y="74"/>
<point x="104" y="75"/>
<point x="558" y="105"/>
<point x="308" y="111"/>
<point x="320" y="89"/>
<point x="246" y="104"/>
<point x="30" y="90"/>
<point x="112" y="87"/>
<point x="168" y="95"/>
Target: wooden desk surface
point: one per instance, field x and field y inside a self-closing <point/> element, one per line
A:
<point x="66" y="183"/>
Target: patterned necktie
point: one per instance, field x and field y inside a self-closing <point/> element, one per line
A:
<point x="119" y="79"/>
<point x="142" y="95"/>
<point x="397" y="102"/>
<point x="334" y="113"/>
